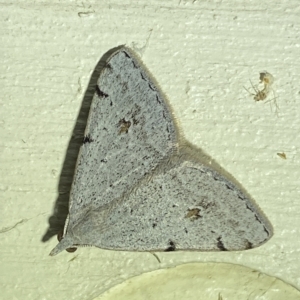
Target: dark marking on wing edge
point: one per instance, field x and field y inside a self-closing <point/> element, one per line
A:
<point x="108" y="65"/>
<point x="229" y="187"/>
<point x="241" y="197"/>
<point x="257" y="219"/>
<point x="151" y="87"/>
<point x="87" y="139"/>
<point x="171" y="247"/>
<point x="249" y="208"/>
<point x="143" y="77"/>
<point x="100" y="93"/>
<point x="134" y="64"/>
<point x="126" y="54"/>
<point x="268" y="233"/>
<point x="220" y="244"/>
<point x="248" y="245"/>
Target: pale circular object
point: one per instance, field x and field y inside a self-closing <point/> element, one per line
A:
<point x="198" y="281"/>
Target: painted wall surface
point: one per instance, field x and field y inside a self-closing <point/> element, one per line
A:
<point x="203" y="54"/>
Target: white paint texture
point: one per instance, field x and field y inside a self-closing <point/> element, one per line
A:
<point x="202" y="54"/>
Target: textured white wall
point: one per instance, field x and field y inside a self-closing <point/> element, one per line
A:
<point x="202" y="53"/>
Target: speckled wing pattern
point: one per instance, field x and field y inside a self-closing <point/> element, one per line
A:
<point x="138" y="186"/>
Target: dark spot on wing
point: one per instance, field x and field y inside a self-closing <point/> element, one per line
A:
<point x="124" y="126"/>
<point x="193" y="214"/>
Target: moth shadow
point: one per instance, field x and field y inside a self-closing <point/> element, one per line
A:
<point x="60" y="211"/>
